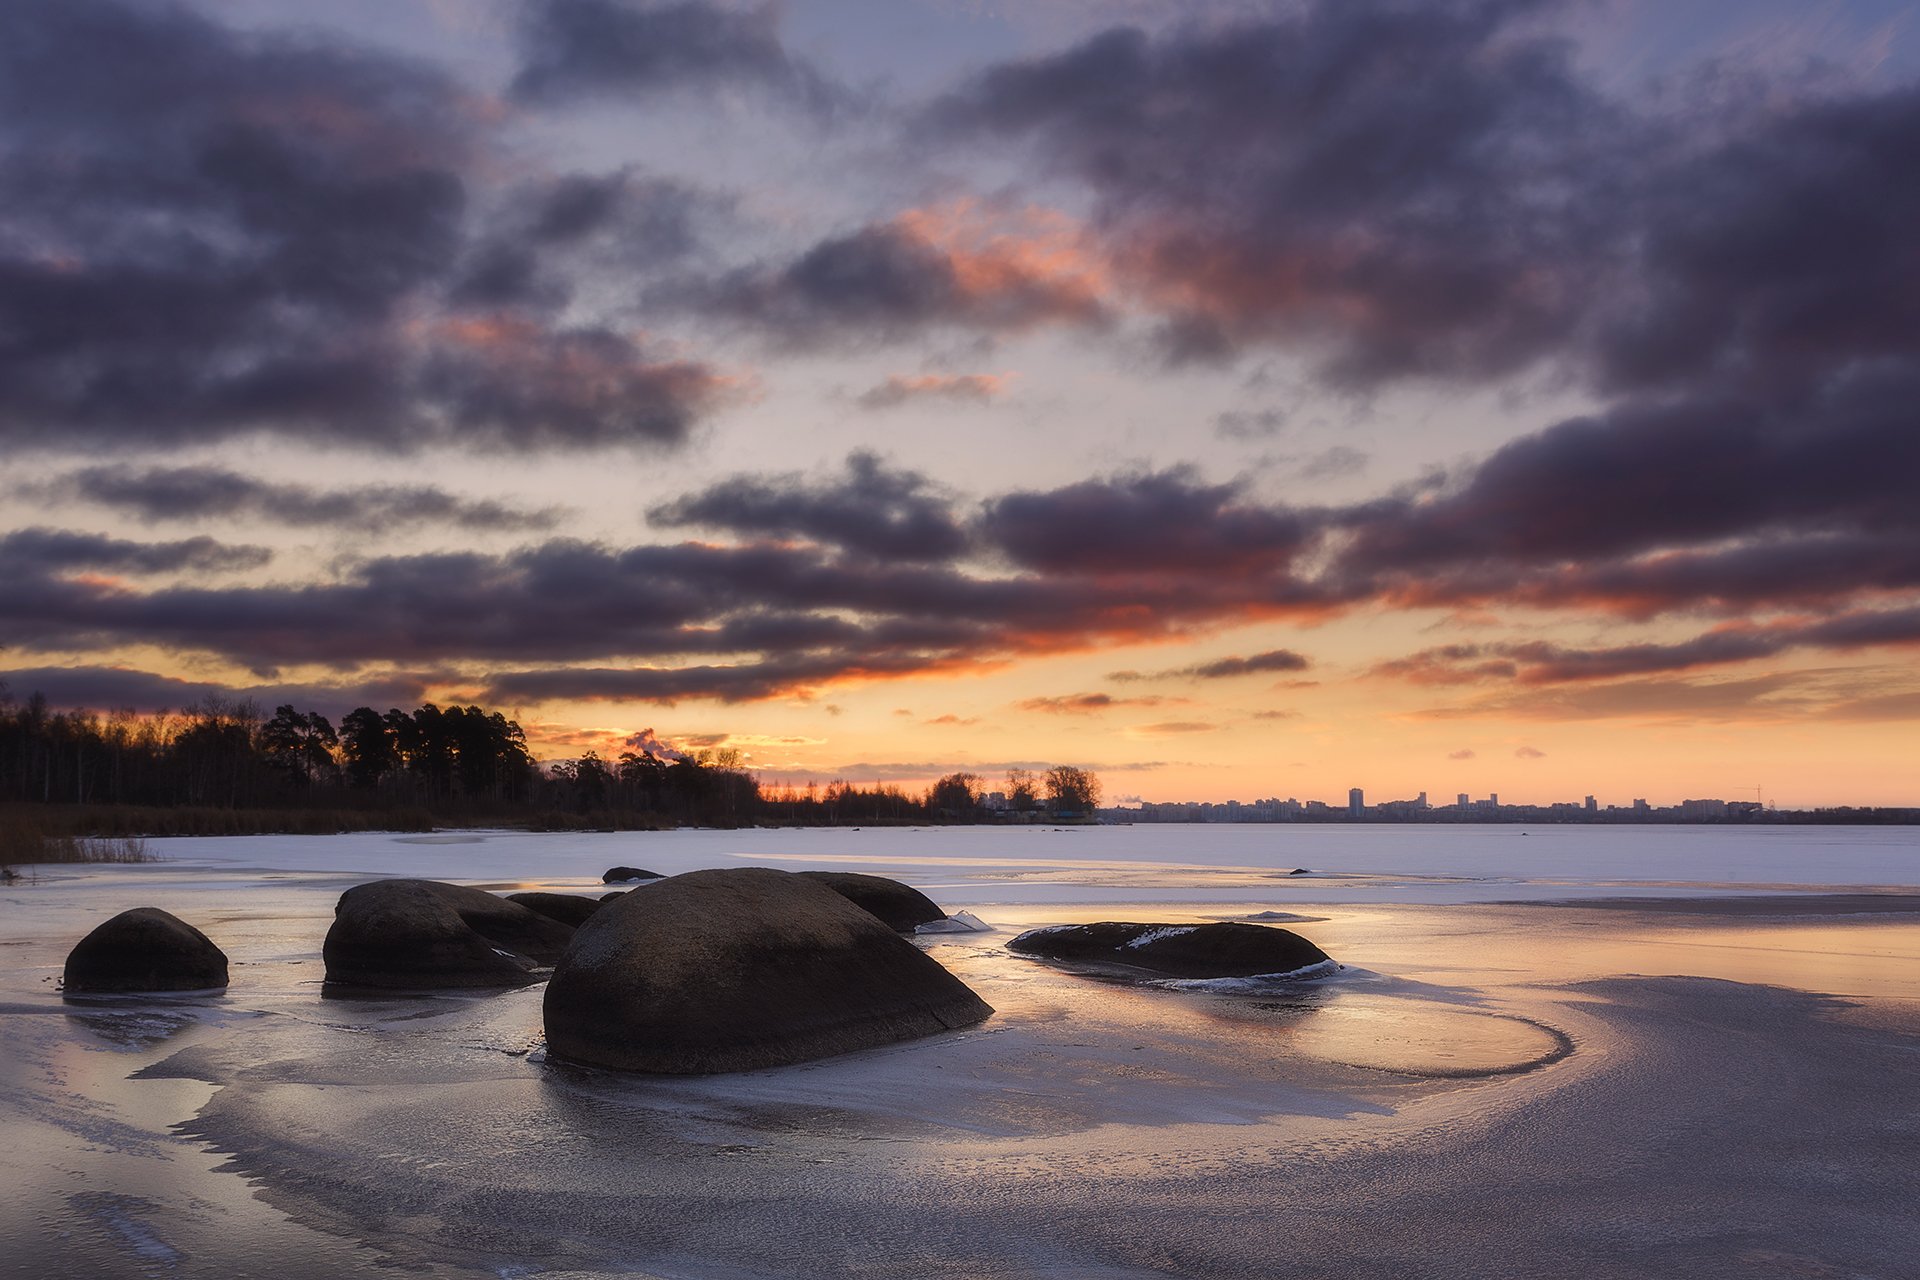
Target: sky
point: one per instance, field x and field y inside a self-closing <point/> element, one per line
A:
<point x="1237" y="399"/>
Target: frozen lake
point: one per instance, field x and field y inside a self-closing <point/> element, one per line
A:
<point x="1492" y="1085"/>
<point x="1162" y="862"/>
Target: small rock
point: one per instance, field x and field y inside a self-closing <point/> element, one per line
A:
<point x="620" y="875"/>
<point x="1230" y="950"/>
<point x="145" y="949"/>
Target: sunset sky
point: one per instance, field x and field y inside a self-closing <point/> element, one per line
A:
<point x="1237" y="399"/>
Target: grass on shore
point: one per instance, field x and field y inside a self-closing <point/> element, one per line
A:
<point x="26" y="841"/>
<point x="42" y="833"/>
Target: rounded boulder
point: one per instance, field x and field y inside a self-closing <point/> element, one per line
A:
<point x="738" y="969"/>
<point x="621" y="875"/>
<point x="410" y="934"/>
<point x="145" y="949"/>
<point x="1177" y="950"/>
<point x="901" y="907"/>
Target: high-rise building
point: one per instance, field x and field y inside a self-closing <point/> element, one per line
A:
<point x="1592" y="805"/>
<point x="1463" y="802"/>
<point x="1356" y="802"/>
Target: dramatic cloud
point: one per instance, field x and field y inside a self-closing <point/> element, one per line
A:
<point x="1411" y="189"/>
<point x="1259" y="663"/>
<point x="1828" y="459"/>
<point x="574" y="49"/>
<point x="548" y="233"/>
<point x="30" y="554"/>
<point x="123" y="689"/>
<point x="1224" y="668"/>
<point x="873" y="510"/>
<point x="1753" y="265"/>
<point x="213" y="233"/>
<point x="1541" y="663"/>
<point x="1156" y="522"/>
<point x="975" y="388"/>
<point x="896" y="280"/>
<point x="200" y="493"/>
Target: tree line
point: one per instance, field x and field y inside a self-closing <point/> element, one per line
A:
<point x="454" y="763"/>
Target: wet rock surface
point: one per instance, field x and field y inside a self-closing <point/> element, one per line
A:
<point x="410" y="934"/>
<point x="145" y="949"/>
<point x="570" y="909"/>
<point x="738" y="969"/>
<point x="1230" y="950"/>
<point x="901" y="907"/>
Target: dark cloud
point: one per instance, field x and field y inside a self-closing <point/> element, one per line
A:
<point x="26" y="554"/>
<point x="897" y="280"/>
<point x="1153" y="522"/>
<point x="121" y="688"/>
<point x="1441" y="190"/>
<point x="1827" y="459"/>
<point x="1779" y="251"/>
<point x="212" y="233"/>
<point x="547" y="234"/>
<point x="871" y="510"/>
<point x="579" y="49"/>
<point x="200" y="493"/>
<point x="1255" y="664"/>
<point x="1411" y="189"/>
<point x="1540" y="663"/>
<point x="1223" y="668"/>
<point x="1776" y="696"/>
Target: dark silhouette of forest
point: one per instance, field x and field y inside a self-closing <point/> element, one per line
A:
<point x="225" y="767"/>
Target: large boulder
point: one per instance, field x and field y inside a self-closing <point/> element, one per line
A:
<point x="1178" y="950"/>
<point x="622" y="875"/>
<point x="410" y="934"/>
<point x="145" y="949"/>
<point x="901" y="907"/>
<point x="570" y="909"/>
<point x="742" y="968"/>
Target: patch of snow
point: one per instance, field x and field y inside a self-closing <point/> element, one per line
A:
<point x="1155" y="935"/>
